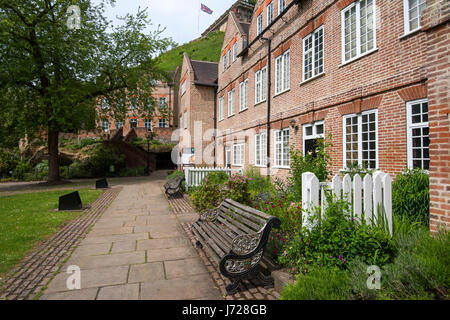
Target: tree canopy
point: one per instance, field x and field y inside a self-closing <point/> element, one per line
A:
<point x="54" y="67"/>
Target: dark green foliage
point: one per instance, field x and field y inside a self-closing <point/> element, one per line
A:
<point x="101" y="160"/>
<point x="337" y="239"/>
<point x="411" y="196"/>
<point x="8" y="161"/>
<point x="319" y="284"/>
<point x="317" y="163"/>
<point x="212" y="191"/>
<point x="21" y="170"/>
<point x="238" y="188"/>
<point x="175" y="174"/>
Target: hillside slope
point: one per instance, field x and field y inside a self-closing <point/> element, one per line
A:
<point x="204" y="49"/>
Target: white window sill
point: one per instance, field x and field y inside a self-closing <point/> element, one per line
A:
<point x="258" y="103"/>
<point x="260" y="166"/>
<point x="280" y="93"/>
<point x="358" y="57"/>
<point x="238" y="165"/>
<point x="281" y="167"/>
<point x="312" y="78"/>
<point x="243" y="110"/>
<point x="409" y="33"/>
<point x="231" y="115"/>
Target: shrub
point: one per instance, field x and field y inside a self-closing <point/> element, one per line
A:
<point x="101" y="160"/>
<point x="8" y="161"/>
<point x="258" y="186"/>
<point x="212" y="191"/>
<point x="174" y="175"/>
<point x="21" y="169"/>
<point x="289" y="213"/>
<point x="337" y="239"/>
<point x="411" y="197"/>
<point x="317" y="163"/>
<point x="319" y="284"/>
<point x="238" y="188"/>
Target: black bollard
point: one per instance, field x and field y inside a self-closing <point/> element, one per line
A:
<point x="101" y="184"/>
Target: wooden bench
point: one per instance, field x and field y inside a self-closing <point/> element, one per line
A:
<point x="234" y="236"/>
<point x="173" y="186"/>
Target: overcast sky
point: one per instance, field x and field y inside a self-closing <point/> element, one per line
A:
<point x="182" y="18"/>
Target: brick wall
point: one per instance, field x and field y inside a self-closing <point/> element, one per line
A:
<point x="384" y="80"/>
<point x="436" y="24"/>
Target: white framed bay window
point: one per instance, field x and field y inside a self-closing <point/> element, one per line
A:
<point x="418" y="134"/>
<point x="313" y="50"/>
<point x="281" y="148"/>
<point x="360" y="140"/>
<point x="358" y="23"/>
<point x="282" y="73"/>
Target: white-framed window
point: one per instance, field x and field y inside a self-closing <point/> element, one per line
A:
<point x="162" y="123"/>
<point x="183" y="87"/>
<point x="148" y="124"/>
<point x="260" y="150"/>
<point x="185" y="117"/>
<point x="227" y="156"/>
<point x="231" y="104"/>
<point x="270" y="13"/>
<point x="221" y="109"/>
<point x="162" y="102"/>
<point x="261" y="85"/>
<point x="259" y="24"/>
<point x="282" y="72"/>
<point x="234" y="51"/>
<point x="238" y="154"/>
<point x="243" y="95"/>
<point x="180" y="122"/>
<point x="360" y="139"/>
<point x="358" y="29"/>
<point x="281" y="6"/>
<point x="224" y="62"/>
<point x="418" y="134"/>
<point x="229" y="57"/>
<point x="105" y="104"/>
<point x="412" y="12"/>
<point x="105" y="125"/>
<point x="119" y="124"/>
<point x="133" y="123"/>
<point x="282" y="148"/>
<point x="313" y="54"/>
<point x="311" y="133"/>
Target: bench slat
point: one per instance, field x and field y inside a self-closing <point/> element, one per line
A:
<point x="254" y="219"/>
<point x="222" y="243"/>
<point x="249" y="209"/>
<point x="209" y="240"/>
<point x="242" y="220"/>
<point x="213" y="255"/>
<point x="223" y="231"/>
<point x="244" y="229"/>
<point x="231" y="227"/>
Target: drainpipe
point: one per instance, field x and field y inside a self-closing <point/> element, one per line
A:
<point x="269" y="85"/>
<point x="215" y="126"/>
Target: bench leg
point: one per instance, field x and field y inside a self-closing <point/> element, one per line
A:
<point x="267" y="281"/>
<point x="232" y="287"/>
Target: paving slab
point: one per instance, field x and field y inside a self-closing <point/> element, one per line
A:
<point x="184" y="268"/>
<point x="119" y="259"/>
<point x="82" y="294"/>
<point x="120" y="292"/>
<point x="146" y="272"/>
<point x="170" y="254"/>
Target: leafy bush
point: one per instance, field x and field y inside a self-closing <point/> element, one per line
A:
<point x="337" y="239"/>
<point x="175" y="174"/>
<point x="8" y="161"/>
<point x="317" y="163"/>
<point x="319" y="284"/>
<point x="212" y="191"/>
<point x="289" y="213"/>
<point x="258" y="186"/>
<point x="411" y="196"/>
<point x="21" y="169"/>
<point x="101" y="160"/>
<point x="238" y="188"/>
<point x="132" y="172"/>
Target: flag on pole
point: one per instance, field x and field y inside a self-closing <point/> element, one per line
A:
<point x="206" y="9"/>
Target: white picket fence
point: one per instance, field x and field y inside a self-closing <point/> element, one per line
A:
<point x="194" y="176"/>
<point x="371" y="195"/>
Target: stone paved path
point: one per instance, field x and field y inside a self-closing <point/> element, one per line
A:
<point x="137" y="250"/>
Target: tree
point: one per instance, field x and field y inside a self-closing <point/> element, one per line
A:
<point x="54" y="72"/>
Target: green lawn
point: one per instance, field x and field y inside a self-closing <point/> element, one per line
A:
<point x="25" y="219"/>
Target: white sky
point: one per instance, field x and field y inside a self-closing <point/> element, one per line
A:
<point x="182" y="18"/>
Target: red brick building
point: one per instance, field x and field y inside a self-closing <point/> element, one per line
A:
<point x="196" y="103"/>
<point x="372" y="73"/>
<point x="162" y="124"/>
